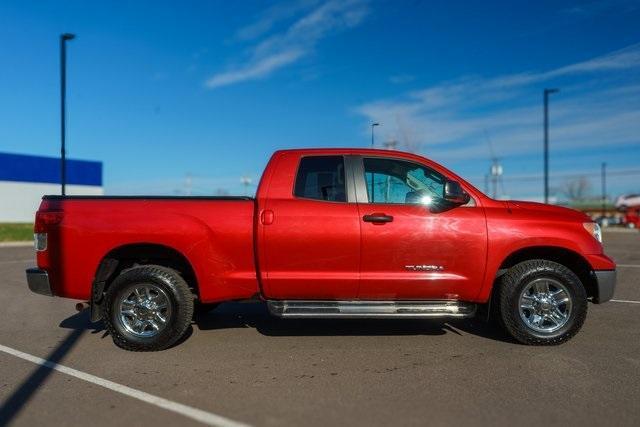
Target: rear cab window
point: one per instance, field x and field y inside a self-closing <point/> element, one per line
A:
<point x="321" y="178"/>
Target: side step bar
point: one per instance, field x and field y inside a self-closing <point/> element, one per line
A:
<point x="363" y="309"/>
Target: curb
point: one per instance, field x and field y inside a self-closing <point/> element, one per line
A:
<point x="15" y="244"/>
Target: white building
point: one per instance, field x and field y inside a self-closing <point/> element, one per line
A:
<point x="25" y="179"/>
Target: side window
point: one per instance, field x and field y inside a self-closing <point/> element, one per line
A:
<point x="321" y="178"/>
<point x="402" y="182"/>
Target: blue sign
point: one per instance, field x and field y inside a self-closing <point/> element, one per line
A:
<point x="23" y="168"/>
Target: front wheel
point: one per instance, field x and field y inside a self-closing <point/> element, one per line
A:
<point x="541" y="302"/>
<point x="148" y="308"/>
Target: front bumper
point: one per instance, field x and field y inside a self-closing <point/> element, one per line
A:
<point x="606" y="283"/>
<point x="38" y="281"/>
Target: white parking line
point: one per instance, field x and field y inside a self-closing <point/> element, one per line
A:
<point x="629" y="265"/>
<point x="187" y="411"/>
<point x="625" y="300"/>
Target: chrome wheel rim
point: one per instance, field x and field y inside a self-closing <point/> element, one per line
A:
<point x="144" y="310"/>
<point x="545" y="305"/>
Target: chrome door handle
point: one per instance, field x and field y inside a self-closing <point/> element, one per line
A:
<point x="377" y="218"/>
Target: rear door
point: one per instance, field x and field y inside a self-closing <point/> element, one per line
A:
<point x="310" y="241"/>
<point x="414" y="246"/>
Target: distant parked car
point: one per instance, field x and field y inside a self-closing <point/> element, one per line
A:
<point x="608" y="221"/>
<point x="630" y="205"/>
<point x="615" y="220"/>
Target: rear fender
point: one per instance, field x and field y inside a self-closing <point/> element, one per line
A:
<point x="222" y="263"/>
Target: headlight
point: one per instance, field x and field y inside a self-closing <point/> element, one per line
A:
<point x="594" y="229"/>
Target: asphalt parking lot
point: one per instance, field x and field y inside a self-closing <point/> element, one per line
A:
<point x="240" y="365"/>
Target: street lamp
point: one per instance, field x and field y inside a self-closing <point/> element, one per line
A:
<point x="63" y="95"/>
<point x="547" y="92"/>
<point x="603" y="179"/>
<point x="372" y="126"/>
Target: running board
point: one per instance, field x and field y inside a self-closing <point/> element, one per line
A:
<point x="363" y="309"/>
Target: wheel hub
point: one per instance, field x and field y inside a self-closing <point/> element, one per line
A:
<point x="545" y="305"/>
<point x="144" y="310"/>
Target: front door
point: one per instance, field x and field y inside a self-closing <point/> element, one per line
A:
<point x="414" y="245"/>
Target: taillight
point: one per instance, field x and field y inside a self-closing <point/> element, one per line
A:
<point x="45" y="219"/>
<point x="40" y="241"/>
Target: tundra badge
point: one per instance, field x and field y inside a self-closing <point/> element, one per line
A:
<point x="424" y="267"/>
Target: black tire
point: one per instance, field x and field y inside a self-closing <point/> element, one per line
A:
<point x="180" y="302"/>
<point x="513" y="284"/>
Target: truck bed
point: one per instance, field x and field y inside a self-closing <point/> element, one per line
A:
<point x="215" y="235"/>
<point x="58" y="197"/>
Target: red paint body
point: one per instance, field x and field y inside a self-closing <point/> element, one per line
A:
<point x="311" y="249"/>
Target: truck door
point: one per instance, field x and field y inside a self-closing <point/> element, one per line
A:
<point x="413" y="246"/>
<point x="309" y="230"/>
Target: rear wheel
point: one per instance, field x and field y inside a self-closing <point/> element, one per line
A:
<point x="541" y="302"/>
<point x="148" y="308"/>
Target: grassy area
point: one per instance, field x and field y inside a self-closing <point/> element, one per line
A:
<point x="16" y="232"/>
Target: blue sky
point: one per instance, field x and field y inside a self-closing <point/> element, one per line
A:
<point x="208" y="89"/>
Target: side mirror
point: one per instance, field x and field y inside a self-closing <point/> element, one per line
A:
<point x="454" y="193"/>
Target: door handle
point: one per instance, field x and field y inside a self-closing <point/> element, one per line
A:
<point x="377" y="218"/>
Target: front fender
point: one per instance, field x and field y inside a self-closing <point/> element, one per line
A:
<point x="509" y="237"/>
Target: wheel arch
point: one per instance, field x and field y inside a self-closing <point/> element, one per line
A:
<point x="132" y="254"/>
<point x="567" y="257"/>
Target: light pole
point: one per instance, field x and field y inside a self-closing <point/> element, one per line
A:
<point x="603" y="179"/>
<point x="63" y="95"/>
<point x="547" y="92"/>
<point x="373" y="125"/>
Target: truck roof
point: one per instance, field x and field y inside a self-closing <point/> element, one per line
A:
<point x="344" y="150"/>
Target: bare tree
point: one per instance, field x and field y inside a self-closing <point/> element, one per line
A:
<point x="221" y="192"/>
<point x="576" y="189"/>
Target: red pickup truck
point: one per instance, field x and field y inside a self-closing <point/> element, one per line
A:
<point x="331" y="233"/>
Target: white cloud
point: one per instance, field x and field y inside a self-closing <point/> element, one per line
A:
<point x="280" y="49"/>
<point x="271" y="16"/>
<point x="628" y="57"/>
<point x="599" y="105"/>
<point x="257" y="69"/>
